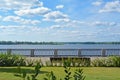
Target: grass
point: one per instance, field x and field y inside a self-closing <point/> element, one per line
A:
<point x="91" y="73"/>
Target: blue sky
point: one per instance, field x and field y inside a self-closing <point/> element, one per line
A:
<point x="60" y="20"/>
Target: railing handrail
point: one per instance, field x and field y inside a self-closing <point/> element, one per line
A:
<point x="103" y="51"/>
<point x="64" y="49"/>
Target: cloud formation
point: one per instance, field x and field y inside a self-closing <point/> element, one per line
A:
<point x="59" y="6"/>
<point x="0" y="17"/>
<point x="99" y="23"/>
<point x="56" y="16"/>
<point x="20" y="20"/>
<point x="19" y="4"/>
<point x="113" y="6"/>
<point x="97" y="3"/>
<point x="35" y="11"/>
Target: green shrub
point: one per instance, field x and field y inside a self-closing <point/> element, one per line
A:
<point x="112" y="61"/>
<point x="73" y="62"/>
<point x="11" y="60"/>
<point x="32" y="62"/>
<point x="115" y="60"/>
<point x="99" y="62"/>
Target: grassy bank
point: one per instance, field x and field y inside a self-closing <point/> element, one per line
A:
<point x="91" y="73"/>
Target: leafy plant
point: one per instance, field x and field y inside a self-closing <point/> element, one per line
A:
<point x="37" y="70"/>
<point x="19" y="71"/>
<point x="78" y="75"/>
<point x="23" y="73"/>
<point x="67" y="64"/>
<point x="50" y="76"/>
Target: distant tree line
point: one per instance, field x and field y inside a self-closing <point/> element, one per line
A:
<point x="27" y="42"/>
<point x="92" y="42"/>
<point x="52" y="43"/>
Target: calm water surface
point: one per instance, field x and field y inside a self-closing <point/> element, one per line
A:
<point x="66" y="46"/>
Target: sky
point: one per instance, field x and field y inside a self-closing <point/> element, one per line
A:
<point x="60" y="20"/>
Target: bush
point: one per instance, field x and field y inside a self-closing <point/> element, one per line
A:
<point x="11" y="60"/>
<point x="84" y="62"/>
<point x="32" y="62"/>
<point x="99" y="62"/>
<point x="115" y="60"/>
<point x="112" y="61"/>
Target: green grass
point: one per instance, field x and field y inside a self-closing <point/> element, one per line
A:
<point x="91" y="73"/>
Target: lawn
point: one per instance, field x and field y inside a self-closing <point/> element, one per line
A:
<point x="91" y="73"/>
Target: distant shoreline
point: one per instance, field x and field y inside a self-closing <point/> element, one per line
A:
<point x="50" y="43"/>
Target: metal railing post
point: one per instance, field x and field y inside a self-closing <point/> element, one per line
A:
<point x="32" y="53"/>
<point x="79" y="52"/>
<point x="9" y="51"/>
<point x="55" y="53"/>
<point x="103" y="52"/>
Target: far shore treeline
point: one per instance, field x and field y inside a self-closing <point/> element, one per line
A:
<point x="51" y="43"/>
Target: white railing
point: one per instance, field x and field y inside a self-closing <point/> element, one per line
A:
<point x="63" y="52"/>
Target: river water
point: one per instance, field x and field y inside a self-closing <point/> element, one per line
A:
<point x="66" y="46"/>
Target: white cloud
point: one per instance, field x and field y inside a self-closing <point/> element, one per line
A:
<point x="99" y="23"/>
<point x="82" y="25"/>
<point x="19" y="4"/>
<point x="56" y="26"/>
<point x="59" y="6"/>
<point x="11" y="27"/>
<point x="62" y="20"/>
<point x="113" y="24"/>
<point x="62" y="26"/>
<point x="92" y="23"/>
<point x="73" y="34"/>
<point x="97" y="3"/>
<point x="0" y="17"/>
<point x="63" y="32"/>
<point x="56" y="16"/>
<point x="21" y="20"/>
<point x="111" y="7"/>
<point x="10" y="30"/>
<point x="35" y="11"/>
<point x="22" y="33"/>
<point x="22" y="28"/>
